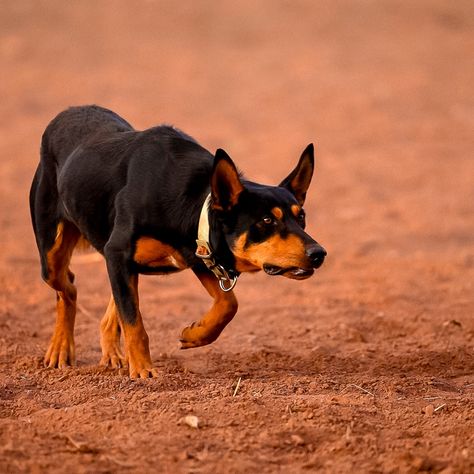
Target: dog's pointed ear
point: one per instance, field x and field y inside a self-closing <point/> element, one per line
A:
<point x="298" y="181"/>
<point x="225" y="182"/>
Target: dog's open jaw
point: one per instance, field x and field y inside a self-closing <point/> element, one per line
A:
<point x="295" y="273"/>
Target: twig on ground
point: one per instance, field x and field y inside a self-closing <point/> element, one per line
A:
<point x="361" y="388"/>
<point x="237" y="387"/>
<point x="80" y="446"/>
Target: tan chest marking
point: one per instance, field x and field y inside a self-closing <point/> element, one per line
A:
<point x="153" y="253"/>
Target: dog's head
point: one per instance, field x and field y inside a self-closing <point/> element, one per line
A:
<point x="263" y="226"/>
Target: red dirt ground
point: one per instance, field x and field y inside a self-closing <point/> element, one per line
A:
<point x="366" y="367"/>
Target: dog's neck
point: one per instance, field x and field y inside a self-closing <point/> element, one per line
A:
<point x="213" y="249"/>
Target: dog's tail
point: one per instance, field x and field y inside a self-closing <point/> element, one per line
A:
<point x="45" y="172"/>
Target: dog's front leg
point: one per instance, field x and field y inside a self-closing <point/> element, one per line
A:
<point x="110" y="338"/>
<point x="207" y="330"/>
<point x="125" y="292"/>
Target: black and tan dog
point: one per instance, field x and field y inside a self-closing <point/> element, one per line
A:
<point x="156" y="202"/>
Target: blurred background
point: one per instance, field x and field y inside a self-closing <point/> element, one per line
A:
<point x="384" y="88"/>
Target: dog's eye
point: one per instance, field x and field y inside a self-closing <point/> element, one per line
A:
<point x="266" y="223"/>
<point x="267" y="220"/>
<point x="301" y="219"/>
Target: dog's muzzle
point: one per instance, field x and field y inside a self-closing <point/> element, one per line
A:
<point x="315" y="255"/>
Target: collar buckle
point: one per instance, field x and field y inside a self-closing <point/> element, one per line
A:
<point x="226" y="282"/>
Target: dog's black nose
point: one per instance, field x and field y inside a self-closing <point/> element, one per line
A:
<point x="316" y="255"/>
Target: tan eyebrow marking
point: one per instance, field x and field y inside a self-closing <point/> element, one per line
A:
<point x="295" y="209"/>
<point x="277" y="212"/>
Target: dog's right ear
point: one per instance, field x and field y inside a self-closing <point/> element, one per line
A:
<point x="225" y="182"/>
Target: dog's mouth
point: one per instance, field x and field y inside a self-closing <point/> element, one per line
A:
<point x="295" y="273"/>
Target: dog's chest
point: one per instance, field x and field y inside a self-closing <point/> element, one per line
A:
<point x="157" y="256"/>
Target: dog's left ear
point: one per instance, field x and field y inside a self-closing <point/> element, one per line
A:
<point x="298" y="181"/>
<point x="225" y="182"/>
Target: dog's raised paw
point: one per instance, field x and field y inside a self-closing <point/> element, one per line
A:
<point x="195" y="335"/>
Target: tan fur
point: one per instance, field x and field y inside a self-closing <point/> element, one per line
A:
<point x="136" y="341"/>
<point x="285" y="253"/>
<point x="215" y="320"/>
<point x="277" y="212"/>
<point x="153" y="253"/>
<point x="112" y="355"/>
<point x="61" y="350"/>
<point x="295" y="209"/>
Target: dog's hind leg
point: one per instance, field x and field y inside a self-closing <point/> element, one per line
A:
<point x="110" y="330"/>
<point x="208" y="329"/>
<point x="61" y="351"/>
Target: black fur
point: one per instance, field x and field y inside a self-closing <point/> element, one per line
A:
<point x="114" y="184"/>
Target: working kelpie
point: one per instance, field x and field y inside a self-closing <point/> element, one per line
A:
<point x="156" y="202"/>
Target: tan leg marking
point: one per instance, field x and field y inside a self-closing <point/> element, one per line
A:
<point x="207" y="330"/>
<point x="61" y="350"/>
<point x="136" y="343"/>
<point x="112" y="355"/>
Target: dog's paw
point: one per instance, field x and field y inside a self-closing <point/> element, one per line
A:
<point x="196" y="335"/>
<point x="140" y="366"/>
<point x="112" y="357"/>
<point x="143" y="372"/>
<point x="60" y="353"/>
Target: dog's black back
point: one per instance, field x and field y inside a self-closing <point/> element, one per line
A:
<point x="158" y="177"/>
